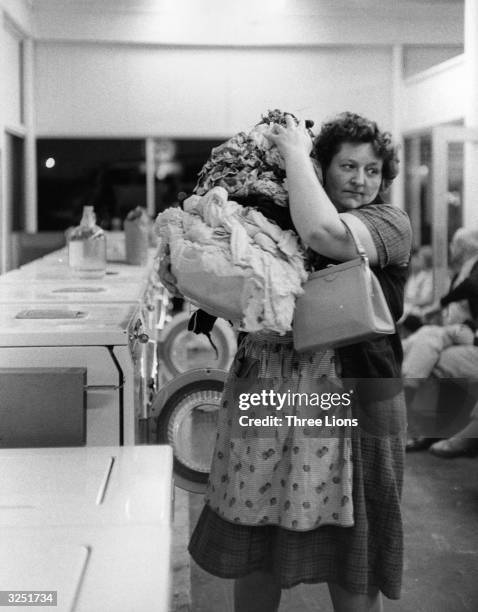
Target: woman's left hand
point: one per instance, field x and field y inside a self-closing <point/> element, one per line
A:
<point x="290" y="140"/>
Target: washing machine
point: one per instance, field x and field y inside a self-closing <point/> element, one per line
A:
<point x="185" y="412"/>
<point x="180" y="350"/>
<point x="97" y="533"/>
<point x="52" y="347"/>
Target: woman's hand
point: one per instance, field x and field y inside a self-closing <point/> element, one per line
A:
<point x="290" y="140"/>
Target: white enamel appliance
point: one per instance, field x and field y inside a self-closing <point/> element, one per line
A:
<point x="111" y="486"/>
<point x="108" y="340"/>
<point x="92" y="524"/>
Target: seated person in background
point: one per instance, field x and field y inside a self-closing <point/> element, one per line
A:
<point x="419" y="289"/>
<point x="465" y="442"/>
<point x="424" y="349"/>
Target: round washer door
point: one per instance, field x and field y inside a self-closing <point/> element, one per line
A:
<point x="180" y="350"/>
<point x="188" y="407"/>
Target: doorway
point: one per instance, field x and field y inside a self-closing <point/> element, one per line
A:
<point x="13" y="211"/>
<point x="434" y="193"/>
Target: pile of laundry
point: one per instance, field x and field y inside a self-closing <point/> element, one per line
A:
<point x="230" y="259"/>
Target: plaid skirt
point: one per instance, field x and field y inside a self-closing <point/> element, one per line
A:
<point x="367" y="555"/>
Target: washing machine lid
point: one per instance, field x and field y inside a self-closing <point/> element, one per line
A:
<point x="65" y="324"/>
<point x="86" y="291"/>
<point x="86" y="486"/>
<point x="92" y="568"/>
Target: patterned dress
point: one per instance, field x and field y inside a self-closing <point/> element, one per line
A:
<point x="306" y="503"/>
<point x="290" y="471"/>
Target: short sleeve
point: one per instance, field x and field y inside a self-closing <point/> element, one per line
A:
<point x="391" y="232"/>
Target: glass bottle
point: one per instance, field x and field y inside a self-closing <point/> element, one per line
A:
<point x="87" y="247"/>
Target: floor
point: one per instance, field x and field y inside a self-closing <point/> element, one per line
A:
<point x="440" y="510"/>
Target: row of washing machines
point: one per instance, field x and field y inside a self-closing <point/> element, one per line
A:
<point x="98" y="379"/>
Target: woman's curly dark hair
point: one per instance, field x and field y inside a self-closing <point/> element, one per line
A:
<point x="350" y="127"/>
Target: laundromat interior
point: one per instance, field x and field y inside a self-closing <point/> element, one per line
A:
<point x="108" y="400"/>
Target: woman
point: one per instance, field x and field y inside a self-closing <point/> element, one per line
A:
<point x="261" y="479"/>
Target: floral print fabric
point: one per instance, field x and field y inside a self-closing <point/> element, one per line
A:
<point x="299" y="477"/>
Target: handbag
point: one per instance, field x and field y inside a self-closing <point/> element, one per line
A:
<point x="341" y="305"/>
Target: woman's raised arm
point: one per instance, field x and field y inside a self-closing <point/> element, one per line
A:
<point x="315" y="217"/>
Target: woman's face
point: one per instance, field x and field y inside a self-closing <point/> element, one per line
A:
<point x="354" y="176"/>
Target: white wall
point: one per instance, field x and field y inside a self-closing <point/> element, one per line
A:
<point x="116" y="90"/>
<point x="15" y="24"/>
<point x="251" y="22"/>
<point x="435" y="96"/>
<point x="20" y="12"/>
<point x="418" y="58"/>
<point x="11" y="76"/>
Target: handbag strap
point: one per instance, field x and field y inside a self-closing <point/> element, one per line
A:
<point x="355" y="238"/>
<point x="362" y="254"/>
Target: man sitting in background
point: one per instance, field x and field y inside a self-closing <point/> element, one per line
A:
<point x="448" y="350"/>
